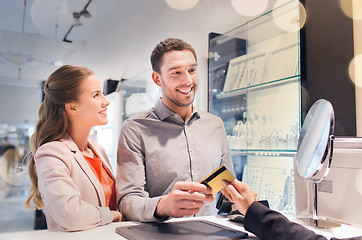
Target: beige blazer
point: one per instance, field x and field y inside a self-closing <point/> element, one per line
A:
<point x="72" y="195"/>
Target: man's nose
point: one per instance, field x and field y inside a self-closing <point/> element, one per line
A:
<point x="188" y="79"/>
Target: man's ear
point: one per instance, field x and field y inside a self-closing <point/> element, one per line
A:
<point x="70" y="108"/>
<point x="156" y="78"/>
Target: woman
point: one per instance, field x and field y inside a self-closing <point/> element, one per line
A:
<point x="260" y="220"/>
<point x="71" y="175"/>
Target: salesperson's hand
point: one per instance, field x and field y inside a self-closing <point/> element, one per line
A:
<point x="185" y="199"/>
<point x="117" y="216"/>
<point x="239" y="194"/>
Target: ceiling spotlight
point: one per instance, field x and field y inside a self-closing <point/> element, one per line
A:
<point x="85" y="13"/>
<point x="76" y="15"/>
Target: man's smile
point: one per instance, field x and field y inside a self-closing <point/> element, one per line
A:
<point x="186" y="90"/>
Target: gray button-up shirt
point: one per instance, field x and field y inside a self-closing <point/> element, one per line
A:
<point x="157" y="148"/>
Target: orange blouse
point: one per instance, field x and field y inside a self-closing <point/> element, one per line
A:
<point x="107" y="182"/>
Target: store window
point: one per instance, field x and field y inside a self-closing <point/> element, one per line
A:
<point x="14" y="181"/>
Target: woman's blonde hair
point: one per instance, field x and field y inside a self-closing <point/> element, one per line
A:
<point x="62" y="86"/>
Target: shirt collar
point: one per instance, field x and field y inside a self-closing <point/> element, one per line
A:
<point x="163" y="112"/>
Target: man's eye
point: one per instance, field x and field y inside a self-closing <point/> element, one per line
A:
<point x="192" y="70"/>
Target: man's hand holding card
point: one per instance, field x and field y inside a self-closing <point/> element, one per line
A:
<point x="187" y="198"/>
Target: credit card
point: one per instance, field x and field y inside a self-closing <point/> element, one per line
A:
<point x="214" y="180"/>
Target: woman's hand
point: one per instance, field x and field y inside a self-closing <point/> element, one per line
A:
<point x="117" y="216"/>
<point x="239" y="194"/>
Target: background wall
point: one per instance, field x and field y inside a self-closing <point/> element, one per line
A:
<point x="357" y="34"/>
<point x="116" y="43"/>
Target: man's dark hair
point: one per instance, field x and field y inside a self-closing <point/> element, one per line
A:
<point x="169" y="44"/>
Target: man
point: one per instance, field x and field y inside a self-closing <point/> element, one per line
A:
<point x="164" y="152"/>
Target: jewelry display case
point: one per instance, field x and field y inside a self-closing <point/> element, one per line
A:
<point x="254" y="86"/>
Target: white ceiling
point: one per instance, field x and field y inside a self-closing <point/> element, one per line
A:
<point x="115" y="42"/>
<point x="30" y="47"/>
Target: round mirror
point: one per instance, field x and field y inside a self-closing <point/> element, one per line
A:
<point x="314" y="152"/>
<point x="315" y="142"/>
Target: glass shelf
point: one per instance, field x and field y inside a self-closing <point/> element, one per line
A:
<point x="263" y="152"/>
<point x="245" y="90"/>
<point x="254" y="87"/>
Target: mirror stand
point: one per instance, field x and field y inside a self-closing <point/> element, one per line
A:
<point x="315" y="221"/>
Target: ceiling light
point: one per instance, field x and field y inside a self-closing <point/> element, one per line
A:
<point x="249" y="8"/>
<point x="182" y="5"/>
<point x="76" y="15"/>
<point x="291" y="17"/>
<point x="85" y="13"/>
<point x="46" y="15"/>
<point x="352" y="8"/>
<point x="58" y="63"/>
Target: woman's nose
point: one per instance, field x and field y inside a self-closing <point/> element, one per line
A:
<point x="106" y="101"/>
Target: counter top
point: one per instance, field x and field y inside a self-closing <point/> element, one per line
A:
<point x="108" y="232"/>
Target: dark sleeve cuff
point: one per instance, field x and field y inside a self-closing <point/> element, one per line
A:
<point x="254" y="218"/>
<point x="159" y="218"/>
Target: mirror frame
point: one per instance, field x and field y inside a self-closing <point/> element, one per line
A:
<point x="322" y="168"/>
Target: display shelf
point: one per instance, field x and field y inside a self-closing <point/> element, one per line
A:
<point x="260" y="86"/>
<point x="256" y="68"/>
<point x="263" y="152"/>
<point x="254" y="87"/>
